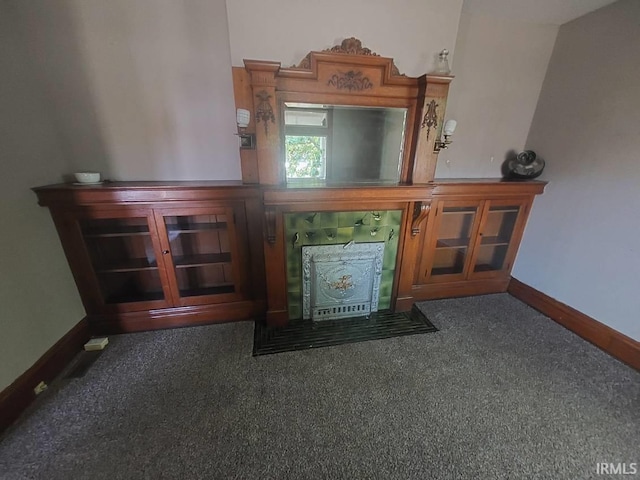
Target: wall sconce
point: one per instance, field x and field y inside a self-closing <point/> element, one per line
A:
<point x="247" y="140"/>
<point x="447" y="132"/>
<point x="242" y="117"/>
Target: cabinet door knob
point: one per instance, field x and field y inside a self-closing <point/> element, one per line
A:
<point x="165" y="252"/>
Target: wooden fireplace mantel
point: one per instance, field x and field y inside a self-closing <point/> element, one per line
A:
<point x="151" y="255"/>
<point x="256" y="257"/>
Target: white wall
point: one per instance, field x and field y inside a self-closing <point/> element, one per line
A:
<point x="140" y="90"/>
<point x="581" y="245"/>
<point x="499" y="64"/>
<point x="551" y="12"/>
<point x="499" y="69"/>
<point x="410" y="31"/>
<point x="38" y="299"/>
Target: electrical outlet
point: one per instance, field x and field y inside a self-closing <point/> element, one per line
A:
<point x="39" y="388"/>
<point x="492" y="159"/>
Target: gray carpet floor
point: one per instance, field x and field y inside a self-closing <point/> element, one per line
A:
<point x="499" y="392"/>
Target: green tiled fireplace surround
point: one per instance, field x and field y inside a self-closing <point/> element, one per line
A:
<point x="327" y="228"/>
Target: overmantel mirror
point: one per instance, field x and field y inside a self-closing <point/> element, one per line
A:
<point x="342" y="143"/>
<point x="341" y="116"/>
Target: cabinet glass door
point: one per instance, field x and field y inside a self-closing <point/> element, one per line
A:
<point x="123" y="257"/>
<point x="203" y="254"/>
<point x="455" y="227"/>
<point x="494" y="248"/>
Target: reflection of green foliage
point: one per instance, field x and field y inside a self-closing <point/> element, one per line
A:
<point x="305" y="157"/>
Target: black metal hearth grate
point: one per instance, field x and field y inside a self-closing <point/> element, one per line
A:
<point x="306" y="334"/>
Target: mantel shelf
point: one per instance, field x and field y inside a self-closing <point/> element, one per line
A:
<point x="483" y="187"/>
<point x="359" y="193"/>
<point x="127" y="193"/>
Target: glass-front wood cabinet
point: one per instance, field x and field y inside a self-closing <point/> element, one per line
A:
<point x="145" y="258"/>
<point x="448" y="248"/>
<point x="495" y="246"/>
<point x="151" y="255"/>
<point x="123" y="252"/>
<point x="202" y="253"/>
<point x="472" y="239"/>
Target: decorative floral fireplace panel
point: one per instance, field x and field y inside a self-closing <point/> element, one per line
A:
<point x="339" y="228"/>
<point x="341" y="281"/>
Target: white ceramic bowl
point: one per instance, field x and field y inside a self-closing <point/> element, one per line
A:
<point x="87" y="177"/>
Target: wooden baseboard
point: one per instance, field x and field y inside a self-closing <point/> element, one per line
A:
<point x="175" y="317"/>
<point x="463" y="288"/>
<point x="616" y="344"/>
<point x="18" y="396"/>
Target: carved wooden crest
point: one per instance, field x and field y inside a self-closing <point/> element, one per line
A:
<point x="349" y="46"/>
<point x="350" y="80"/>
<point x="352" y="46"/>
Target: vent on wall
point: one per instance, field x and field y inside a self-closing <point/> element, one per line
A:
<point x="357" y="310"/>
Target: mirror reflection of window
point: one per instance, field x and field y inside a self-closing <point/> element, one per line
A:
<point x="343" y="144"/>
<point x="306" y="140"/>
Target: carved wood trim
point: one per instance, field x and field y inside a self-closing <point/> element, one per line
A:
<point x="270" y="224"/>
<point x="420" y="212"/>
<point x="349" y="46"/>
<point x="431" y="117"/>
<point x="264" y="112"/>
<point x="350" y="80"/>
<point x="262" y="72"/>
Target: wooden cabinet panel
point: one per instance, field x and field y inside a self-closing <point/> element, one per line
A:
<point x="203" y="253"/>
<point x="143" y="259"/>
<point x="499" y="236"/>
<point x="120" y="253"/>
<point x="470" y="245"/>
<point x="448" y="247"/>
